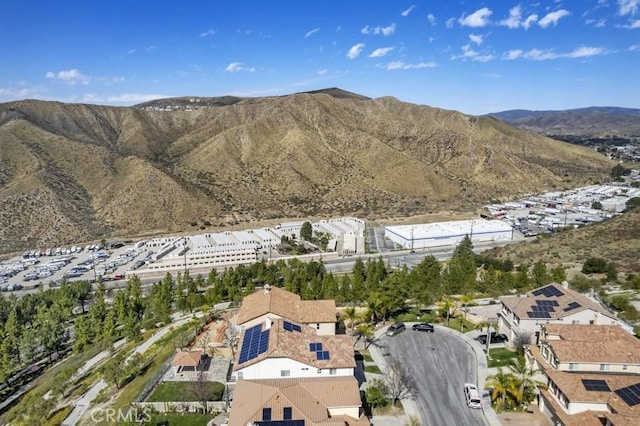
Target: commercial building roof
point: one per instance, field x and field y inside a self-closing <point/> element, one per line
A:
<point x="449" y="229"/>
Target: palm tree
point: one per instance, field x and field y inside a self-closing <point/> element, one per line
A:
<point x="352" y="315"/>
<point x="502" y="384"/>
<point x="525" y="375"/>
<point x="365" y="331"/>
<point x="465" y="300"/>
<point x="447" y="306"/>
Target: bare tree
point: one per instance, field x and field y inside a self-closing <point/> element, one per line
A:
<point x="401" y="384"/>
<point x="521" y="340"/>
<point x="201" y="389"/>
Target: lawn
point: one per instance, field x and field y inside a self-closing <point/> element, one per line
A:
<point x="185" y="391"/>
<point x="180" y="419"/>
<point x="500" y="357"/>
<point x="372" y="369"/>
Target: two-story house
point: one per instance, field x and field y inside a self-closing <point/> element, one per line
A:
<point x="298" y="402"/>
<point x="280" y="348"/>
<point x="552" y="304"/>
<point x="592" y="373"/>
<point x="274" y="302"/>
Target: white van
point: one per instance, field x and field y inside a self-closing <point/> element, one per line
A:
<point x="472" y="396"/>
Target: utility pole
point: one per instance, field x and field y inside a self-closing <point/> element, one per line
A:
<point x="412" y="228"/>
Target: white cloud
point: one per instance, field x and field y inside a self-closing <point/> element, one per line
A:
<point x="131" y="51"/>
<point x="478" y="19"/>
<point x="406" y="12"/>
<point x="380" y="52"/>
<point x="311" y="32"/>
<point x="151" y="48"/>
<point x="13" y="93"/>
<point x="469" y="54"/>
<point x="208" y="33"/>
<point x="355" y="50"/>
<point x="635" y="24"/>
<point x="432" y="19"/>
<point x="531" y="19"/>
<point x="552" y="18"/>
<point x="634" y="48"/>
<point x="492" y="75"/>
<point x="399" y="65"/>
<point x="322" y="72"/>
<point x="133" y="98"/>
<point x="546" y="55"/>
<point x="628" y="7"/>
<point x="512" y="54"/>
<point x="71" y="77"/>
<point x="450" y="22"/>
<point x="513" y="21"/>
<point x="238" y="66"/>
<point x="585" y="51"/>
<point x="476" y="38"/>
<point x="386" y="31"/>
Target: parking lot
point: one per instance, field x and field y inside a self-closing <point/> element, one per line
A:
<point x="47" y="268"/>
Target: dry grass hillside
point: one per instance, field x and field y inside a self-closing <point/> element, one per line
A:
<point x="617" y="240"/>
<point x="72" y="172"/>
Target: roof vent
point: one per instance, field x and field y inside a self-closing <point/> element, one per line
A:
<point x="565" y="285"/>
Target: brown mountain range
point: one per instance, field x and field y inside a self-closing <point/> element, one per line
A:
<point x="71" y="173"/>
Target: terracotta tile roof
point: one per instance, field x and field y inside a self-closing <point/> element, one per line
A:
<point x="295" y="345"/>
<point x="187" y="358"/>
<point x="310" y="400"/>
<point x="287" y="305"/>
<point x="592" y="343"/>
<point x="521" y="305"/>
<point x="571" y="385"/>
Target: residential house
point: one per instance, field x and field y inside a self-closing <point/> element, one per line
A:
<point x="273" y="302"/>
<point x="314" y="401"/>
<point x="280" y="348"/>
<point x="553" y="303"/>
<point x="592" y="373"/>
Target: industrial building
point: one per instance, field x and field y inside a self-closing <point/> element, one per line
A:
<point x="426" y="235"/>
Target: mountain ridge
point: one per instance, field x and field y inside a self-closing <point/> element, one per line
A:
<point x="92" y="171"/>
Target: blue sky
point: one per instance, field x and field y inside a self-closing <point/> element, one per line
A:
<point x="472" y="56"/>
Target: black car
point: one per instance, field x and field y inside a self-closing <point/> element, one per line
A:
<point x="495" y="338"/>
<point x="425" y="326"/>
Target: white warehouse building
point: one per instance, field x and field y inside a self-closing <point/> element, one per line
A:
<point x="447" y="233"/>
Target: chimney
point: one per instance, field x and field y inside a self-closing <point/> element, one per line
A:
<point x="565" y="285"/>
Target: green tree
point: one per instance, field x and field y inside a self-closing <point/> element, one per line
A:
<point x="596" y="205"/>
<point x="633" y="203"/>
<point x="502" y="385"/>
<point x="539" y="274"/>
<point x="351" y="315"/>
<point x="595" y="265"/>
<point x="460" y="276"/>
<point x="365" y="331"/>
<point x="81" y="291"/>
<point x="375" y="394"/>
<point x="306" y="231"/>
<point x="619" y="170"/>
<point x="446" y="307"/>
<point x="83" y="334"/>
<point x="524" y="378"/>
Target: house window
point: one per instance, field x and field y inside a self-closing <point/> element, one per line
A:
<point x="319" y="370"/>
<point x="266" y="414"/>
<point x="573" y="366"/>
<point x="285" y="373"/>
<point x="240" y="374"/>
<point x="333" y="371"/>
<point x="287" y="413"/>
<point x="318" y="326"/>
<point x="604" y="367"/>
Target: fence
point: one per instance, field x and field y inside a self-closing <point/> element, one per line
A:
<point x="182" y="407"/>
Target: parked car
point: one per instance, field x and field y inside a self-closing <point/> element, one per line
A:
<point x="472" y="396"/>
<point x="396" y="328"/>
<point x="425" y="326"/>
<point x="495" y="338"/>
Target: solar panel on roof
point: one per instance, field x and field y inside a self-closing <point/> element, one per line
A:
<point x="571" y="306"/>
<point x="538" y="314"/>
<point x="322" y="355"/>
<point x="254" y="343"/>
<point x="630" y="395"/>
<point x="291" y="327"/>
<point x="313" y="347"/>
<point x="538" y="292"/>
<point x="296" y="327"/>
<point x="595" y="385"/>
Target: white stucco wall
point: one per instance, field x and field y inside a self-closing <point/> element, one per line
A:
<point x="271" y="368"/>
<point x="345" y="411"/>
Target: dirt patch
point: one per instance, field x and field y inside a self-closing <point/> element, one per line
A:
<point x="532" y="418"/>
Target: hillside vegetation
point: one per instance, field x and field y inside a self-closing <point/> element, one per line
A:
<point x="617" y="240"/>
<point x="71" y="173"/>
